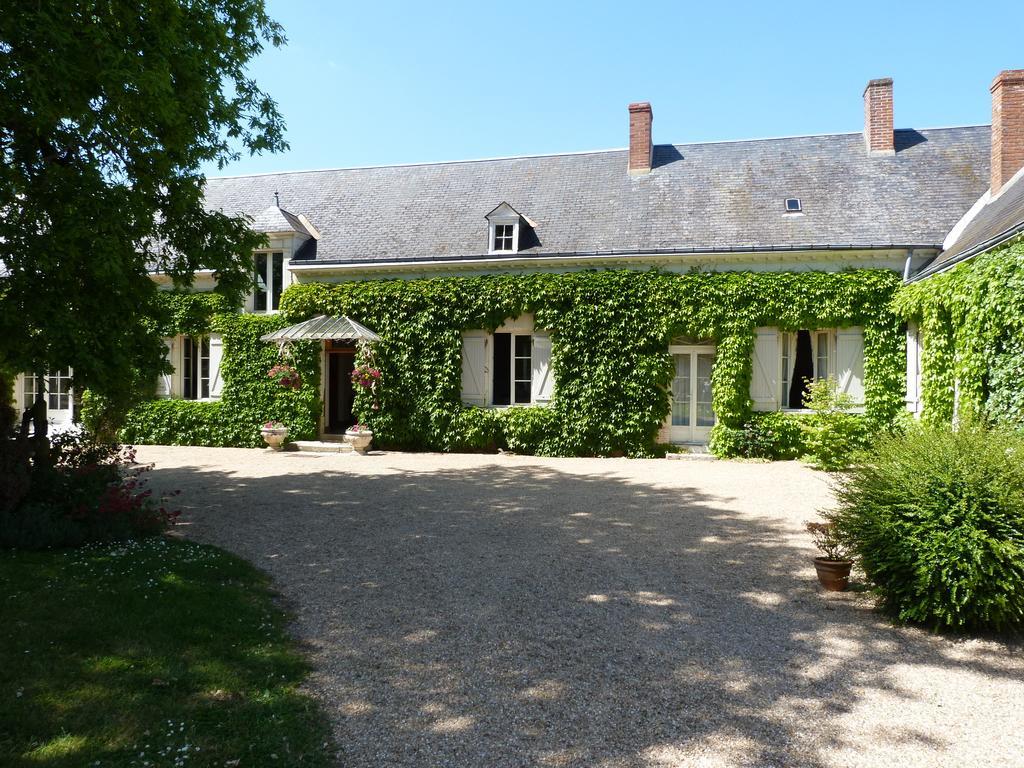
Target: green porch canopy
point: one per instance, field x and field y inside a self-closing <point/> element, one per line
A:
<point x="323" y="328"/>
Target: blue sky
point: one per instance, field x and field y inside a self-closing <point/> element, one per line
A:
<point x="394" y="82"/>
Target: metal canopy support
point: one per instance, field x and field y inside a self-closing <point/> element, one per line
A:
<point x="323" y="328"/>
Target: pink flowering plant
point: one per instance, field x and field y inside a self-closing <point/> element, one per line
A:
<point x="366" y="375"/>
<point x="286" y="376"/>
<point x="274" y="426"/>
<point x="360" y="428"/>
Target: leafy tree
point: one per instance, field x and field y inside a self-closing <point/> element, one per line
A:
<point x="108" y="111"/>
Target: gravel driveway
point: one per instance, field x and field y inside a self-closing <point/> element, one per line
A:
<point x="511" y="611"/>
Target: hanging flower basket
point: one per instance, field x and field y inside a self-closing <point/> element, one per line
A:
<point x="286" y="376"/>
<point x="365" y="376"/>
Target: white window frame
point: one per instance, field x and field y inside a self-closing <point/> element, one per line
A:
<point x="268" y="292"/>
<point x="503" y="221"/>
<point x="787" y="346"/>
<point x="521" y="327"/>
<point x="201" y="343"/>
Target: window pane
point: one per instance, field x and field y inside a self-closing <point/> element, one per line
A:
<point x="522" y="391"/>
<point x="188" y="369"/>
<point x="823" y="344"/>
<point x="204" y="369"/>
<point x="705" y="413"/>
<point x="681" y="392"/>
<point x="278" y="280"/>
<point x="260" y="290"/>
<point x="523" y="344"/>
<point x="803" y="370"/>
<point x="523" y="369"/>
<point x="502" y="382"/>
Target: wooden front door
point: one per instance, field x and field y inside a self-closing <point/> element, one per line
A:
<point x="340" y="390"/>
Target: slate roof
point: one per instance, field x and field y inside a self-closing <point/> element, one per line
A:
<point x="995" y="222"/>
<point x="699" y="197"/>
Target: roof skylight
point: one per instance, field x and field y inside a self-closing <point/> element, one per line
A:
<point x="793" y="205"/>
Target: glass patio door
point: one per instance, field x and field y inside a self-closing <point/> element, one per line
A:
<point x="692" y="414"/>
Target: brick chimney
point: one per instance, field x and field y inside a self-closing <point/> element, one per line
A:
<point x="640" y="118"/>
<point x="878" y="117"/>
<point x="1007" y="126"/>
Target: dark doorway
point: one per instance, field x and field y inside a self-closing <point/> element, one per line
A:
<point x="340" y="390"/>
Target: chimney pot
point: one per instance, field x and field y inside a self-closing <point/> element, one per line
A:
<point x="640" y="148"/>
<point x="878" y="133"/>
<point x="1007" y="126"/>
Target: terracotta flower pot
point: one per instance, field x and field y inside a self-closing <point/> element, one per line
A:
<point x="360" y="441"/>
<point x="834" y="575"/>
<point x="275" y="438"/>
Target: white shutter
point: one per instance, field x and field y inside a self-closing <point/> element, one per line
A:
<point x="163" y="384"/>
<point x="542" y="380"/>
<point x="764" y="375"/>
<point x="850" y="362"/>
<point x="913" y="369"/>
<point x="216" y="353"/>
<point x="474" y="367"/>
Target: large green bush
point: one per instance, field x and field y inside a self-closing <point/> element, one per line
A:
<point x="936" y="519"/>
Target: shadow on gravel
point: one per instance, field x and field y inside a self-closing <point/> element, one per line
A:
<point x="507" y="616"/>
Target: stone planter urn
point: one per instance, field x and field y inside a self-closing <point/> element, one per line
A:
<point x="359" y="440"/>
<point x="275" y="437"/>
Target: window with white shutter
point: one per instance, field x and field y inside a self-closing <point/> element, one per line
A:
<point x="511" y="366"/>
<point x="784" y="363"/>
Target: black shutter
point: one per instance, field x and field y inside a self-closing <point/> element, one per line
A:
<point x="502" y="369"/>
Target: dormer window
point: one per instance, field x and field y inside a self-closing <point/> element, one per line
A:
<point x="503" y="238"/>
<point x="505" y="230"/>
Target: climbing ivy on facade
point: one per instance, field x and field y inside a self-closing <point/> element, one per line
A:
<point x="971" y="325"/>
<point x="610" y="332"/>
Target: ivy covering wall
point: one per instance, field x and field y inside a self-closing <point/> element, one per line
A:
<point x="610" y="334"/>
<point x="249" y="398"/>
<point x="972" y="336"/>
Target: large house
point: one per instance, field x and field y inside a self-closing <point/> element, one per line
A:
<point x="906" y="202"/>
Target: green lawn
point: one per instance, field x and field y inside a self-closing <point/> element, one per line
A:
<point x="152" y="653"/>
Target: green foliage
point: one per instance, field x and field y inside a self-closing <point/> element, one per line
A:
<point x="87" y="492"/>
<point x="832" y="434"/>
<point x="110" y="112"/>
<point x="1005" y="403"/>
<point x="610" y="334"/>
<point x="972" y="333"/>
<point x="250" y="397"/>
<point x="936" y="519"/>
<point x="158" y="651"/>
<point x="776" y="436"/>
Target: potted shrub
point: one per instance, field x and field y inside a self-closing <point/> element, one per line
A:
<point x="359" y="436"/>
<point x="274" y="434"/>
<point x="833" y="566"/>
